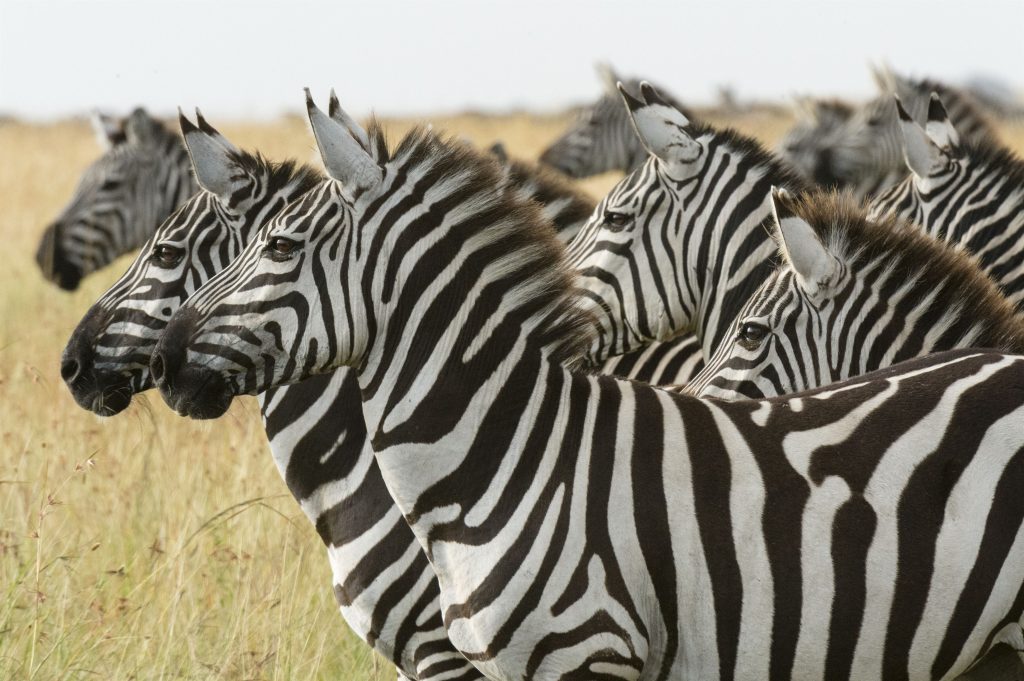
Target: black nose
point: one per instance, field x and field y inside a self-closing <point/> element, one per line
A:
<point x="164" y="364"/>
<point x="76" y="361"/>
<point x="69" y="369"/>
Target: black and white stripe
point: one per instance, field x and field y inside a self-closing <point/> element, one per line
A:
<point x="969" y="195"/>
<point x="851" y="296"/>
<point x="120" y="200"/>
<point x="589" y="527"/>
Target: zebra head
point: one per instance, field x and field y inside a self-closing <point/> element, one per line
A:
<point x="106" y="360"/>
<point x="868" y="157"/>
<point x="809" y="144"/>
<point x="250" y="327"/>
<point x="853" y="295"/>
<point x="932" y="153"/>
<point x="601" y="139"/>
<point x="121" y="198"/>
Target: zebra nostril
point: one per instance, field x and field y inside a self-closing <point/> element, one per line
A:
<point x="69" y="370"/>
<point x="156" y="367"/>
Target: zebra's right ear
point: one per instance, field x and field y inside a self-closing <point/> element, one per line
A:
<point x="344" y="157"/>
<point x="814" y="265"/>
<point x="213" y="156"/>
<point x="923" y="156"/>
<point x="884" y="78"/>
<point x="109" y="129"/>
<point x="662" y="128"/>
<point x="939" y="127"/>
<point x="608" y="77"/>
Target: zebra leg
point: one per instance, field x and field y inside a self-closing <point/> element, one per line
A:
<point x="1000" y="663"/>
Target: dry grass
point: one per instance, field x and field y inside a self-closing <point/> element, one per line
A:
<point x="148" y="546"/>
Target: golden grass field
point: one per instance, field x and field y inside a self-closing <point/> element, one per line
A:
<point x="148" y="546"/>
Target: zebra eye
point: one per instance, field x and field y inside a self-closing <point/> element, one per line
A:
<point x="110" y="185"/>
<point x="616" y="222"/>
<point x="167" y="256"/>
<point x="279" y="247"/>
<point x="752" y="334"/>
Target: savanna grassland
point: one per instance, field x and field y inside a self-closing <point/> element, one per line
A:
<point x="147" y="546"/>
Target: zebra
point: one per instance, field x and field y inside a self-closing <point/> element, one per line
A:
<point x="867" y="157"/>
<point x="967" y="194"/>
<point x="680" y="244"/>
<point x="142" y="177"/>
<point x="602" y="138"/>
<point x="106" y="363"/>
<point x="808" y="145"/>
<point x="384" y="587"/>
<point x="854" y="295"/>
<point x="583" y="526"/>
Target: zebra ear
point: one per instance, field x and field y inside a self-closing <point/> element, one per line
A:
<point x="661" y="127"/>
<point x="109" y="130"/>
<point x="800" y="244"/>
<point x="939" y="128"/>
<point x="922" y="155"/>
<point x="141" y="128"/>
<point x="213" y="156"/>
<point x="335" y="111"/>
<point x="606" y="74"/>
<point x="884" y="78"/>
<point x="344" y="157"/>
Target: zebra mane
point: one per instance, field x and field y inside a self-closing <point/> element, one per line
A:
<point x="525" y="255"/>
<point x="780" y="170"/>
<point x="953" y="274"/>
<point x="997" y="156"/>
<point x="548" y="185"/>
<point x="279" y="173"/>
<point x="840" y="106"/>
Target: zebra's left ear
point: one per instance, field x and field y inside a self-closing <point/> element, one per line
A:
<point x="814" y="265"/>
<point x="140" y="128"/>
<point x="213" y="156"/>
<point x="343" y="155"/>
<point x="662" y="128"/>
<point x="109" y="129"/>
<point x="923" y="156"/>
<point x="939" y="128"/>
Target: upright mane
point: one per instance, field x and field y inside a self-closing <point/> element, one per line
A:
<point x="952" y="274"/>
<point x="518" y="247"/>
<point x="993" y="154"/>
<point x="278" y="173"/>
<point x="783" y="173"/>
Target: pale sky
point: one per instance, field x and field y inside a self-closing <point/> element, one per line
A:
<point x="252" y="59"/>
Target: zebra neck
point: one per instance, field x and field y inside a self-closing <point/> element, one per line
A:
<point x="452" y="440"/>
<point x="725" y="264"/>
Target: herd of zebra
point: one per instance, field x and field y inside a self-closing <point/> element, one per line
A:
<point x="454" y="354"/>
